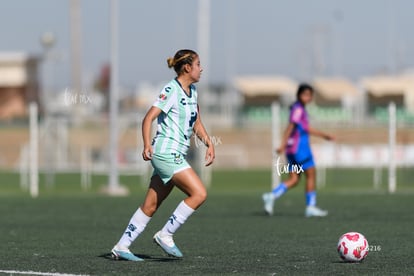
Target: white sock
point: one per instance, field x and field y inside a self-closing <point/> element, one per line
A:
<point x="135" y="227"/>
<point x="180" y="215"/>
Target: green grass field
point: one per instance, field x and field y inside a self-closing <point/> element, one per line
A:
<point x="67" y="230"/>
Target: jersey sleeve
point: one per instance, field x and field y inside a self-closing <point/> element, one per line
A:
<point x="296" y="114"/>
<point x="165" y="99"/>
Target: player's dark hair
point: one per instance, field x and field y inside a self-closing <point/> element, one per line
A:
<point x="302" y="88"/>
<point x="181" y="58"/>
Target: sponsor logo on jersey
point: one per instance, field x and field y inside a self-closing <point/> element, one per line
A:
<point x="184" y="102"/>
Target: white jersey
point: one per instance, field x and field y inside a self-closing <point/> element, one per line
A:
<point x="175" y="123"/>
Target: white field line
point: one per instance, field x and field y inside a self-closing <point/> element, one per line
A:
<point x="12" y="272"/>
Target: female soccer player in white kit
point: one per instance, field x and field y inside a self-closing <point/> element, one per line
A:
<point x="177" y="114"/>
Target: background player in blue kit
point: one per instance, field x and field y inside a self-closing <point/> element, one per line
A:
<point x="296" y="145"/>
<point x="177" y="114"/>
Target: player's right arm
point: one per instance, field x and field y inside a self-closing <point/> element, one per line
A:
<point x="163" y="103"/>
<point x="286" y="134"/>
<point x="151" y="115"/>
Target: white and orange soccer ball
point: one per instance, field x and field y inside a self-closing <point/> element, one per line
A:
<point x="353" y="247"/>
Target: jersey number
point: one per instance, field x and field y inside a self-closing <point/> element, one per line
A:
<point x="192" y="119"/>
<point x="191" y="122"/>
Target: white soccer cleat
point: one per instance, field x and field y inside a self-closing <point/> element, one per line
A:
<point x="167" y="244"/>
<point x="119" y="253"/>
<point x="268" y="201"/>
<point x="313" y="211"/>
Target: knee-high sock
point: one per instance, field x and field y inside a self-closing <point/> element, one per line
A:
<point x="135" y="227"/>
<point x="311" y="198"/>
<point x="180" y="215"/>
<point x="279" y="190"/>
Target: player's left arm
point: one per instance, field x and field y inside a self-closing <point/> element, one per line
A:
<point x="202" y="134"/>
<point x="316" y="132"/>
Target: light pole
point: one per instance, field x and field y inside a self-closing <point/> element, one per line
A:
<point x="114" y="188"/>
<point x="47" y="40"/>
<point x="76" y="42"/>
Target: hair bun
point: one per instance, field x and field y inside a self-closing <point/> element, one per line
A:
<point x="170" y="62"/>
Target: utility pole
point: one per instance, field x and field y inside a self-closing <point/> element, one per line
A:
<point x="114" y="188"/>
<point x="75" y="45"/>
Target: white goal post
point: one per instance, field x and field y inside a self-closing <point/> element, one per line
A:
<point x="392" y="134"/>
<point x="34" y="150"/>
<point x="275" y="142"/>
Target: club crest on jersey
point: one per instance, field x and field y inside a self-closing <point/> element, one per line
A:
<point x="163" y="97"/>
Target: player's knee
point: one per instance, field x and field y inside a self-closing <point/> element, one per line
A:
<point x="295" y="179"/>
<point x="294" y="184"/>
<point x="149" y="209"/>
<point x="201" y="196"/>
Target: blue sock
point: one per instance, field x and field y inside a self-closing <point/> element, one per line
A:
<point x="311" y="198"/>
<point x="279" y="190"/>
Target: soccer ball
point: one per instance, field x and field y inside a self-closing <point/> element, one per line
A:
<point x="352" y="247"/>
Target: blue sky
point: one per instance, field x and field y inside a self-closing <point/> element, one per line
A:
<point x="296" y="38"/>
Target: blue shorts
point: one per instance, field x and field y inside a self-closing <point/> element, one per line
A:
<point x="166" y="165"/>
<point x="305" y="162"/>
